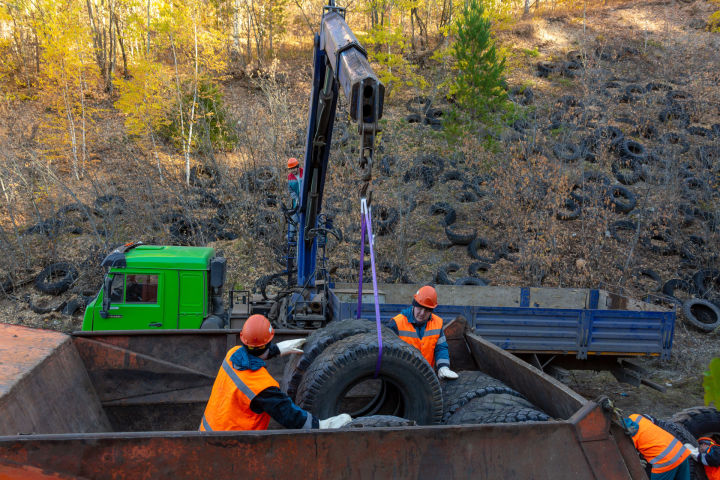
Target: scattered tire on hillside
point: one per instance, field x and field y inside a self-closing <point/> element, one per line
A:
<point x="701" y="314"/>
<point x="458" y="236"/>
<point x="42" y="307"/>
<point x="204" y="176"/>
<point x="56" y="278"/>
<point x="108" y="205"/>
<point x="406" y="386"/>
<point x="620" y="199"/>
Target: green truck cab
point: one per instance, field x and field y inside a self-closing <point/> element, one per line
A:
<point x="159" y="287"/>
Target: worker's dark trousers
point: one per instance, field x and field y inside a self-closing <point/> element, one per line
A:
<point x="682" y="472"/>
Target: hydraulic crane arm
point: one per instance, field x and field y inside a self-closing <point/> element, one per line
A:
<point x="339" y="61"/>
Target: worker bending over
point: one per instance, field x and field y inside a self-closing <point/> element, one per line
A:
<point x="708" y="454"/>
<point x="421" y="328"/>
<point x="245" y="396"/>
<point x="665" y="454"/>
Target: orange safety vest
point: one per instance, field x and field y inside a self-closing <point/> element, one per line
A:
<point x="663" y="451"/>
<point x="713" y="473"/>
<point x="232" y="392"/>
<point x="426" y="345"/>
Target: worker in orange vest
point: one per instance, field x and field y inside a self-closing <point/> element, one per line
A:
<point x="245" y="396"/>
<point x="707" y="454"/>
<point x="421" y="328"/>
<point x="665" y="454"/>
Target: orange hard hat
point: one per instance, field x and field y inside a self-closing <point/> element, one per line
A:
<point x="706" y="440"/>
<point x="426" y="296"/>
<point x="257" y="331"/>
<point x="293" y="162"/>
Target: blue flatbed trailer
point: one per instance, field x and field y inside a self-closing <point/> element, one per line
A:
<point x="557" y="321"/>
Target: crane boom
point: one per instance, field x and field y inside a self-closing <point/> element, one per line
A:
<point x="339" y="61"/>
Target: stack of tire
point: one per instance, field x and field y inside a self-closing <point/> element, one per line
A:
<point x="342" y="358"/>
<point x="690" y="424"/>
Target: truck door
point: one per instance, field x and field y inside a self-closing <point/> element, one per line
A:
<point x="192" y="299"/>
<point x="135" y="303"/>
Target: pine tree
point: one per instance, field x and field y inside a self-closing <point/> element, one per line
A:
<point x="479" y="84"/>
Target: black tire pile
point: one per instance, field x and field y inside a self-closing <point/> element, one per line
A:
<point x="339" y="358"/>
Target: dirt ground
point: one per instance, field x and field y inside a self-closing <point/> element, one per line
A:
<point x="660" y="42"/>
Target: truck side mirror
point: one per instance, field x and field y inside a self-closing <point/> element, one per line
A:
<point x="107" y="285"/>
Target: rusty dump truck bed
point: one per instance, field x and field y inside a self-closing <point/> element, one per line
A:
<point x="126" y="405"/>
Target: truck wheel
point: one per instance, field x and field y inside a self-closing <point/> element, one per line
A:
<point x="700" y="421"/>
<point x="374" y="421"/>
<point x="213" y="322"/>
<point x="321" y="339"/>
<point x="341" y="380"/>
<point x="701" y="314"/>
<point x="476" y="412"/>
<point x="56" y="278"/>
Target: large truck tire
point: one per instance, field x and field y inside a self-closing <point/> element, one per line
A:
<point x="492" y="396"/>
<point x="699" y="421"/>
<point x="476" y="411"/>
<point x="410" y="388"/>
<point x="474" y="384"/>
<point x="374" y="421"/>
<point x="316" y="344"/>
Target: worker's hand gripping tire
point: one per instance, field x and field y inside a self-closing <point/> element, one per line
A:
<point x="338" y="421"/>
<point x="693" y="451"/>
<point x="289" y="347"/>
<point x="446" y="373"/>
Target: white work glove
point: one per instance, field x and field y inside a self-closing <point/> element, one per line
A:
<point x="289" y="347"/>
<point x="337" y="421"/>
<point x="445" y="372"/>
<point x="693" y="451"/>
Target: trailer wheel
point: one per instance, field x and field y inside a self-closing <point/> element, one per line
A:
<point x="56" y="278"/>
<point x="341" y="380"/>
<point x="374" y="421"/>
<point x="477" y="411"/>
<point x="316" y="344"/>
<point x="700" y="421"/>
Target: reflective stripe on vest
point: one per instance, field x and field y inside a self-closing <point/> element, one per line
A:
<point x="426" y="345"/>
<point x="663" y="451"/>
<point x="229" y="405"/>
